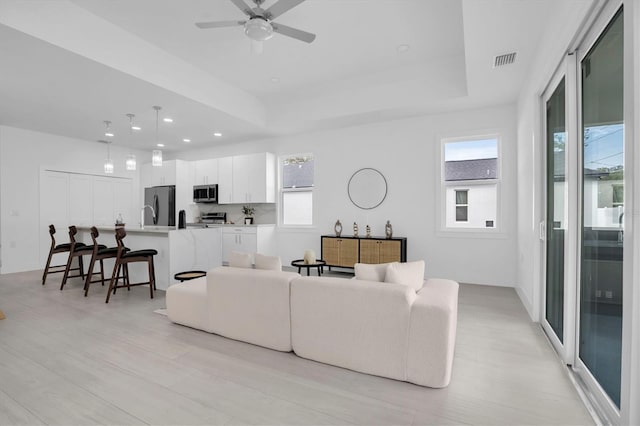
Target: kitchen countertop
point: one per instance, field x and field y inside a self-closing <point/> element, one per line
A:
<point x="133" y="229"/>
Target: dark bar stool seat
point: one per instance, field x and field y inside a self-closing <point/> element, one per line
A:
<point x="99" y="252"/>
<point x="55" y="248"/>
<point x="78" y="250"/>
<point x="123" y="259"/>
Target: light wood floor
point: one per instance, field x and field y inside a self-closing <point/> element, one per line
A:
<point x="66" y="359"/>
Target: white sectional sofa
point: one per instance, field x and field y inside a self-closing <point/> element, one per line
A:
<point x="380" y="328"/>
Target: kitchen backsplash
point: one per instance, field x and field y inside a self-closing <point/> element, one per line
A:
<point x="264" y="214"/>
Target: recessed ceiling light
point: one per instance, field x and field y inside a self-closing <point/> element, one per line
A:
<point x="402" y="48"/>
<point x="217" y="134"/>
<point x="186" y="140"/>
<point x="136" y="128"/>
<point x="161" y="145"/>
<point x="108" y="134"/>
<point x="275" y="80"/>
<point x="168" y="120"/>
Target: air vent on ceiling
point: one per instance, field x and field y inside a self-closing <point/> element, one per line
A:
<point x="506" y="59"/>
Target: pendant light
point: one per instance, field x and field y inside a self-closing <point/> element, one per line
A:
<point x="156" y="155"/>
<point x="108" y="163"/>
<point x="131" y="158"/>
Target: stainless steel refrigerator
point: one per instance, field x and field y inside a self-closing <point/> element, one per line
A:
<point x="162" y="200"/>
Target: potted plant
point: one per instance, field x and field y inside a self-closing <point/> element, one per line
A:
<point x="248" y="214"/>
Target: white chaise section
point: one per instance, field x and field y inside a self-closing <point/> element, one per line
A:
<point x="187" y="303"/>
<point x="377" y="328"/>
<point x="250" y="305"/>
<point x="432" y="333"/>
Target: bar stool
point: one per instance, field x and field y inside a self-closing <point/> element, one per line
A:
<point x="99" y="253"/>
<point x="123" y="259"/>
<point x="77" y="250"/>
<point x="55" y="248"/>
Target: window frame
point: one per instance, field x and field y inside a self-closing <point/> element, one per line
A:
<point x="499" y="229"/>
<point x="282" y="191"/>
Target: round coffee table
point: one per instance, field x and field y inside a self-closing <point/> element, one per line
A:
<point x="189" y="275"/>
<point x="299" y="263"/>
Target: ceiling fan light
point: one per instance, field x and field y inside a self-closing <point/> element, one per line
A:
<point x="258" y="29"/>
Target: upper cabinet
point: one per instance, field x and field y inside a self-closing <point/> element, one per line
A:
<point x="247" y="179"/>
<point x="205" y="172"/>
<point x="159" y="176"/>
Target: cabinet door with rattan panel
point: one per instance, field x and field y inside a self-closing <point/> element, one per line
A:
<point x="331" y="250"/>
<point x="369" y="251"/>
<point x="389" y="251"/>
<point x="348" y="253"/>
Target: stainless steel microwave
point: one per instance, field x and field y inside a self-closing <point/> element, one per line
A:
<point x="205" y="193"/>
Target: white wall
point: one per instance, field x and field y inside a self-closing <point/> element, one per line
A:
<point x="23" y="153"/>
<point x="407" y="153"/>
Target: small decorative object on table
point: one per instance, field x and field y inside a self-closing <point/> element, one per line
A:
<point x="355" y="229"/>
<point x="309" y="257"/>
<point x="388" y="230"/>
<point x="119" y="221"/>
<point x="368" y="231"/>
<point x="248" y="214"/>
<point x="338" y="228"/>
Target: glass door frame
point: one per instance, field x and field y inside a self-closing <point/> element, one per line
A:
<point x="597" y="394"/>
<point x="565" y="348"/>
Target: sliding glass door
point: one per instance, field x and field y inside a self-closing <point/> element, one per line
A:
<point x="555" y="223"/>
<point x="602" y="210"/>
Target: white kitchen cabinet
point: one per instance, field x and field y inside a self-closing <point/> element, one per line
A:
<point x="248" y="239"/>
<point x="225" y="180"/>
<point x="205" y="172"/>
<point x="80" y="205"/>
<point x="247" y="179"/>
<point x="103" y="197"/>
<point x="160" y="176"/>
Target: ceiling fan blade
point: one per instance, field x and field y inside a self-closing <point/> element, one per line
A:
<point x="240" y="4"/>
<point x="292" y="32"/>
<point x="280" y="7"/>
<point x="219" y="24"/>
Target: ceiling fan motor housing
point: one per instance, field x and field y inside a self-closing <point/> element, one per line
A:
<point x="258" y="28"/>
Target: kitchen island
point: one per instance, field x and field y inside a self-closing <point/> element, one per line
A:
<point x="178" y="250"/>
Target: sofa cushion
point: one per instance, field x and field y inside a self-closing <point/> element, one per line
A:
<point x="408" y="273"/>
<point x="271" y="263"/>
<point x="239" y="259"/>
<point x="371" y="272"/>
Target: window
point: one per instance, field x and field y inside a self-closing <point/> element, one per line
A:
<point x="462" y="212"/>
<point x="470" y="181"/>
<point x="297" y="190"/>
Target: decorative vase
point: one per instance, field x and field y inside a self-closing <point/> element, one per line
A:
<point x="309" y="257"/>
<point x="368" y="231"/>
<point x="388" y="230"/>
<point x="338" y="228"/>
<point x="248" y="221"/>
<point x="355" y="229"/>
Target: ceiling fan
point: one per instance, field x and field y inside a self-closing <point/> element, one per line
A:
<point x="259" y="26"/>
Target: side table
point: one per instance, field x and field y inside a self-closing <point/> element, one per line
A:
<point x="299" y="263"/>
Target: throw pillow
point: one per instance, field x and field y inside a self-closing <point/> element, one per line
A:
<point x="271" y="263"/>
<point x="409" y="273"/>
<point x="239" y="259"/>
<point x="371" y="272"/>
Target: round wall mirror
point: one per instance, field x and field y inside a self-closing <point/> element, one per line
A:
<point x="367" y="188"/>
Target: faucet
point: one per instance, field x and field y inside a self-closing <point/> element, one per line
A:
<point x="153" y="214"/>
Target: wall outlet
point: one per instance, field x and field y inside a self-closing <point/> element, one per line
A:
<point x="608" y="294"/>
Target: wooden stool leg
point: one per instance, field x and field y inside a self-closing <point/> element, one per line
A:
<point x="87" y="281"/>
<point x="152" y="281"/>
<point x="81" y="266"/>
<point x="153" y="267"/>
<point x="66" y="271"/>
<point x="46" y="268"/>
<point x="116" y="271"/>
<point x="126" y="272"/>
<point x="102" y="271"/>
